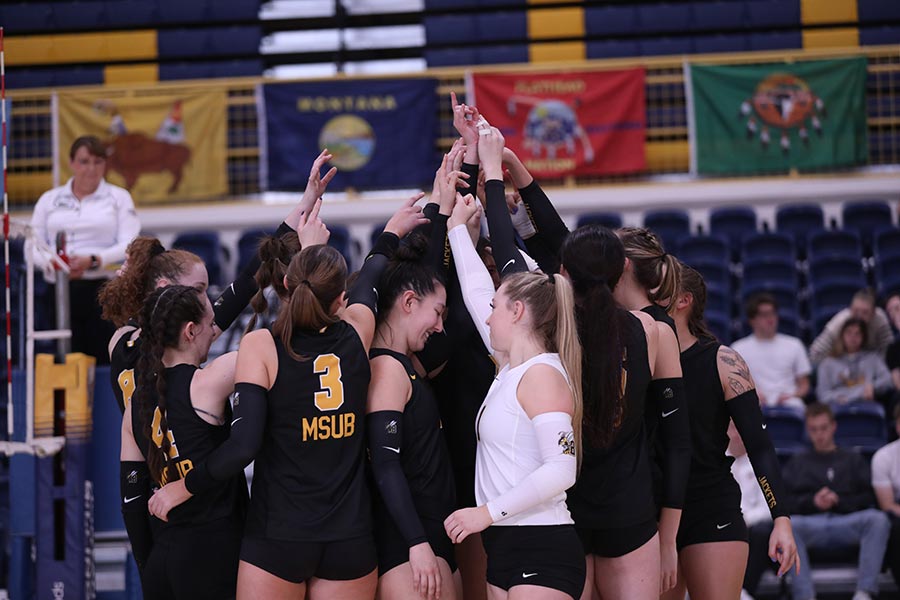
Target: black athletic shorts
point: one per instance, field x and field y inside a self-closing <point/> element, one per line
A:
<point x="615" y="542"/>
<point x="546" y="555"/>
<point x="297" y="562"/>
<point x="393" y="550"/>
<point x="194" y="562"/>
<point x="712" y="520"/>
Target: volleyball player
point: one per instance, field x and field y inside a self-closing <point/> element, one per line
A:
<point x="612" y="502"/>
<point x="179" y="415"/>
<point x="528" y="428"/>
<point x="410" y="462"/>
<point x="299" y="411"/>
<point x="149" y="265"/>
<point x="650" y="281"/>
<point x="712" y="538"/>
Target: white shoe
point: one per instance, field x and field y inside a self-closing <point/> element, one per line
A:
<point x="745" y="595"/>
<point x="861" y="595"/>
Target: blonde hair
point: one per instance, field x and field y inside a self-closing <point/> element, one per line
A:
<point x="551" y="302"/>
<point x="654" y="269"/>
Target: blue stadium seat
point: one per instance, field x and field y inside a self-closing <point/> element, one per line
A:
<point x="799" y="220"/>
<point x="784" y="292"/>
<point x="183" y="43"/>
<point x="607" y="219"/>
<point x="670" y="225"/>
<point x="181" y="12"/>
<point x="207" y="246"/>
<point x="235" y="41"/>
<point x="610" y="20"/>
<point x="24" y="17"/>
<point x="451" y="57"/>
<point x="732" y="222"/>
<point x="833" y="243"/>
<point x="768" y="245"/>
<point x="664" y="18"/>
<point x="886" y="243"/>
<point x="716" y="44"/>
<point x="765" y="269"/>
<point x="827" y="269"/>
<point x="613" y="48"/>
<point x="762" y="14"/>
<point x="830" y="297"/>
<point x="132" y="13"/>
<point x="718" y="298"/>
<point x="661" y="46"/>
<point x="248" y="246"/>
<point x="31" y="78"/>
<point x="819" y="317"/>
<point x="719" y="324"/>
<point x="861" y="426"/>
<point x="775" y="40"/>
<point x="245" y="67"/>
<point x="497" y="55"/>
<point x="234" y="11"/>
<point x="717" y="16"/>
<point x="501" y="26"/>
<point x="77" y="16"/>
<point x="340" y="240"/>
<point x="716" y="275"/>
<point x="450" y="29"/>
<point x="186" y="70"/>
<point x="879" y="36"/>
<point x="887" y="274"/>
<point x="866" y="216"/>
<point x="704" y="248"/>
<point x="54" y="77"/>
<point x="786" y="427"/>
<point x="877" y="11"/>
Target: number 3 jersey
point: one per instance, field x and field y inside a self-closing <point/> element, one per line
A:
<point x="192" y="440"/>
<point x="309" y="477"/>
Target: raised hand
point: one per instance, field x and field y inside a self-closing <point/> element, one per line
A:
<point x="490" y="152"/>
<point x="464" y="209"/>
<point x="464" y="120"/>
<point x="311" y="230"/>
<point x="408" y="217"/>
<point x="316" y="184"/>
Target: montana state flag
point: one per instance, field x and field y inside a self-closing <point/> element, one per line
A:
<point x="776" y="117"/>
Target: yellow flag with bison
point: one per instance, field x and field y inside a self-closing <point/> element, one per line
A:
<point x="160" y="147"/>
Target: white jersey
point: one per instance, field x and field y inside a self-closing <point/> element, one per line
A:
<point x="508" y="450"/>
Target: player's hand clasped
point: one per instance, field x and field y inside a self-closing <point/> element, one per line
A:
<point x="466" y="521"/>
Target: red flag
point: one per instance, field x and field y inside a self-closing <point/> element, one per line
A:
<point x="576" y="123"/>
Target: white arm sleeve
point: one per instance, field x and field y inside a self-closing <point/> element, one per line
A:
<point x="555" y="439"/>
<point x="474" y="280"/>
<point x="529" y="262"/>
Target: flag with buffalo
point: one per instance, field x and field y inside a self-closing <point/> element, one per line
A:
<point x="162" y="147"/>
<point x="381" y="133"/>
<point x="777" y="117"/>
<point x="571" y="123"/>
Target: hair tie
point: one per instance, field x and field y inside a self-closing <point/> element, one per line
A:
<point x="156" y="250"/>
<point x="307" y="283"/>
<point x="663" y="255"/>
<point x="551" y="279"/>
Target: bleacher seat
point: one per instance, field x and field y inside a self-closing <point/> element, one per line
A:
<point x="768" y="245"/>
<point x="785" y="294"/>
<point x="717" y="16"/>
<point x="879" y="36"/>
<point x="54" y="77"/>
<point x="719" y="324"/>
<point x="887" y="274"/>
<point x="607" y="219"/>
<point x="501" y="26"/>
<point x="450" y="29"/>
<point x="234" y="11"/>
<point x="775" y="40"/>
<point x="183" y="43"/>
<point x="664" y="18"/>
<point x="78" y="16"/>
<point x="861" y="426"/>
<point x="770" y="269"/>
<point x="786" y="428"/>
<point x="186" y="70"/>
<point x="612" y="48"/>
<point x="833" y="243"/>
<point x="799" y="220"/>
<point x="24" y="17"/>
<point x="610" y="20"/>
<point x="244" y="67"/>
<point x="662" y="46"/>
<point x="239" y="40"/>
<point x="207" y="246"/>
<point x="132" y="13"/>
<point x="829" y="269"/>
<point x="451" y="57"/>
<point x="878" y="11"/>
<point x="718" y="298"/>
<point x="505" y="54"/>
<point x="181" y="12"/>
<point x="865" y="217"/>
<point x="716" y="274"/>
<point x="670" y="225"/>
<point x="763" y="14"/>
<point x="886" y="243"/>
<point x="732" y="222"/>
<point x="248" y="246"/>
<point x="716" y="44"/>
<point x="704" y="248"/>
<point x="830" y="297"/>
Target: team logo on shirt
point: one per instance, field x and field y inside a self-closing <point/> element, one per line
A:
<point x="391" y="428"/>
<point x="567" y="442"/>
<point x="331" y="425"/>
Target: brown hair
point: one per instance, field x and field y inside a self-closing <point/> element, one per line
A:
<point x="838" y="349"/>
<point x="817" y="409"/>
<point x="692" y="283"/>
<point x="275" y="254"/>
<point x="316" y="277"/>
<point x="551" y="303"/>
<point x="655" y="270"/>
<point x="93" y="144"/>
<point x="757" y="300"/>
<point x="148" y="262"/>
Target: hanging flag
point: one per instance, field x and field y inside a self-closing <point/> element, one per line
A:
<point x="573" y="123"/>
<point x="381" y="132"/>
<point x="161" y="147"/>
<point x="776" y="117"/>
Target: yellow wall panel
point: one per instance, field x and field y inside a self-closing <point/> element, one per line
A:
<point x="555" y="23"/>
<point x="667" y="156"/>
<point x="556" y="52"/>
<point x="27" y="187"/>
<point x="842" y="37"/>
<point x="80" y="47"/>
<point x="131" y="73"/>
<point x="818" y="12"/>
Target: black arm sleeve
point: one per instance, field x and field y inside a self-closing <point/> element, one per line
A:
<point x="472" y="172"/>
<point x="236" y="296"/>
<point x="503" y="235"/>
<point x="537" y="249"/>
<point x="385" y="445"/>
<point x="437" y="243"/>
<point x="134" y="483"/>
<point x="365" y="289"/>
<point x="544" y="217"/>
<point x="242" y="445"/>
<point x="748" y="419"/>
<point x="667" y="397"/>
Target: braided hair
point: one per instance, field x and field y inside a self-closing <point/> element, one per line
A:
<point x="654" y="269"/>
<point x="275" y="254"/>
<point x="163" y="316"/>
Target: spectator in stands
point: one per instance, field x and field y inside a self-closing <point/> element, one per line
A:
<point x="862" y="306"/>
<point x="778" y="362"/>
<point x="852" y="373"/>
<point x="756" y="515"/>
<point x="886" y="483"/>
<point x="892" y="358"/>
<point x="99" y="222"/>
<point x="833" y="506"/>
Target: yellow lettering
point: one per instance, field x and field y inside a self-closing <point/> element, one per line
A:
<point x="324" y="429"/>
<point x="309" y="429"/>
<point x="350" y="424"/>
<point x="550" y="86"/>
<point x="328" y="368"/>
<point x="184" y="467"/>
<point x="328" y="427"/>
<point x="126" y="384"/>
<point x="555" y="164"/>
<point x="340" y="104"/>
<point x="156" y="429"/>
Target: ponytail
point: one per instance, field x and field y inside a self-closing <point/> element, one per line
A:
<point x="275" y="254"/>
<point x="692" y="283"/>
<point x="654" y="269"/>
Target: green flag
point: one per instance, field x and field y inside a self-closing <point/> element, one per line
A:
<point x="776" y="117"/>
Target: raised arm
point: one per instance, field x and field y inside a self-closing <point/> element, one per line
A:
<point x="503" y="238"/>
<point x="547" y="223"/>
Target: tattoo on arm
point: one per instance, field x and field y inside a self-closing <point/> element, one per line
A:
<point x="739" y="379"/>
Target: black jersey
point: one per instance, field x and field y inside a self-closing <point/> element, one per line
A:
<point x="659" y="314"/>
<point x="122" y="361"/>
<point x="424" y="457"/>
<point x="309" y="479"/>
<point x="710" y="467"/>
<point x="614" y="487"/>
<point x="192" y="440"/>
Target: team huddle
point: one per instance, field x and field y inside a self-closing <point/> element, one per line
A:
<point x="537" y="414"/>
